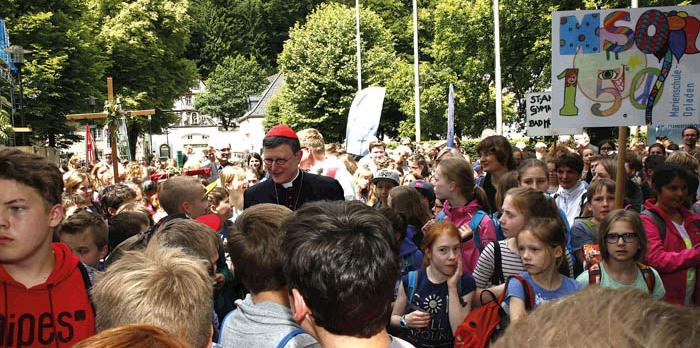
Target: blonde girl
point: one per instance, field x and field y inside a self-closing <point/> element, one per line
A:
<point x="233" y="179"/>
<point x="462" y="199"/>
<point x="362" y="183"/>
<point x="520" y="206"/>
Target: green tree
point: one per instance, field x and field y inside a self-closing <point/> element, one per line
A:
<point x="228" y="88"/>
<point x="146" y="41"/>
<point x="256" y="28"/>
<point x="66" y="65"/>
<point x="5" y="126"/>
<point x="319" y="64"/>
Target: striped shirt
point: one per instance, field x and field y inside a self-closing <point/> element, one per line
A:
<point x="511" y="264"/>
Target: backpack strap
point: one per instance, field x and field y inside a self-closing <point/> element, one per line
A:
<point x="495" y="218"/>
<point x="412" y="281"/>
<point x="459" y="293"/>
<point x="594" y="274"/>
<point x="84" y="273"/>
<point x="440" y="216"/>
<point x="589" y="223"/>
<point x="649" y="277"/>
<point x="527" y="291"/>
<point x="497" y="277"/>
<point x="289" y="337"/>
<point x="660" y="224"/>
<point x="474" y="226"/>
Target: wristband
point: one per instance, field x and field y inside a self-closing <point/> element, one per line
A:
<point x="402" y="322"/>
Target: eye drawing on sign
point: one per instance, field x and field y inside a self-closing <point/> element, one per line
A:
<point x="602" y="78"/>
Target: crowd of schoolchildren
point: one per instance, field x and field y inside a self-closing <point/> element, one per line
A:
<point x="427" y="245"/>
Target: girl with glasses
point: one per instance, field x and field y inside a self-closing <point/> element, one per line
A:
<point x="623" y="245"/>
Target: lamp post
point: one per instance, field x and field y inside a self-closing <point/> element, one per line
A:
<point x="17" y="55"/>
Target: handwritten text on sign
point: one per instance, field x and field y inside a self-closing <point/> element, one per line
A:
<point x="539" y="112"/>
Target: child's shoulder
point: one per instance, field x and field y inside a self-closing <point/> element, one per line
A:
<point x="571" y="284"/>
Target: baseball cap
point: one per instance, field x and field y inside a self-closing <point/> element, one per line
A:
<point x="386" y="174"/>
<point x="424" y="188"/>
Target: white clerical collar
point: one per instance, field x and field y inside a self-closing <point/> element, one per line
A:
<point x="290" y="184"/>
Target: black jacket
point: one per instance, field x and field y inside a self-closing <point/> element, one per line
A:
<point x="313" y="188"/>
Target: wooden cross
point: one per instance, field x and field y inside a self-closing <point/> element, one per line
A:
<point x="100" y="115"/>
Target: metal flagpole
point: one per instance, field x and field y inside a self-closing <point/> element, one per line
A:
<point x="416" y="92"/>
<point x="357" y="36"/>
<point x="497" y="54"/>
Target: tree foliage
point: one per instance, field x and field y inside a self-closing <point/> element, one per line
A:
<point x="65" y="67"/>
<point x="146" y="42"/>
<point x="228" y="88"/>
<point x="256" y="28"/>
<point x="5" y="126"/>
<point x="319" y="64"/>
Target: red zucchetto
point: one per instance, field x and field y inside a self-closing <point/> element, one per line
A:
<point x="281" y="130"/>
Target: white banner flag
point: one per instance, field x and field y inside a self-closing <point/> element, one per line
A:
<point x="363" y="119"/>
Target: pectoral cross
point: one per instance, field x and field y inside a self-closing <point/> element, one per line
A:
<point x="101" y="115"/>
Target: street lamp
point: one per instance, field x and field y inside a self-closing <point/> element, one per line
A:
<point x="17" y="55"/>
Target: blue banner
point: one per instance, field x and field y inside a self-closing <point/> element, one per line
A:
<point x="5" y="43"/>
<point x="451" y="117"/>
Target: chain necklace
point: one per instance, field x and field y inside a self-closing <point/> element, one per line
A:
<point x="301" y="185"/>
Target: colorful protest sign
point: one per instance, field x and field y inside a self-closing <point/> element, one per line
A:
<point x="626" y="67"/>
<point x="539" y="113"/>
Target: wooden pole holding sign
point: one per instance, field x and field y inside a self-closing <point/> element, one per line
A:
<point x="100" y="115"/>
<point x="621" y="175"/>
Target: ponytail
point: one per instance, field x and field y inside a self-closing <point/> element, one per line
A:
<point x="481" y="198"/>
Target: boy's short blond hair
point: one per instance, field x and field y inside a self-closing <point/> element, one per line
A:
<point x="311" y="138"/>
<point x="230" y="173"/>
<point x="177" y="190"/>
<point x="161" y="286"/>
<point x="604" y="317"/>
<point x="195" y="238"/>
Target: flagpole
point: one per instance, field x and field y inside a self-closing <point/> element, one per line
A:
<point x="357" y="38"/>
<point x="416" y="90"/>
<point x="497" y="54"/>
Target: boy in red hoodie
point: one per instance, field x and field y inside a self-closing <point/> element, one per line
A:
<point x="44" y="299"/>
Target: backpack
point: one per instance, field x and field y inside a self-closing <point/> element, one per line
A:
<point x="660" y="224"/>
<point x="485" y="324"/>
<point x="658" y="221"/>
<point x="595" y="276"/>
<point x="474" y="226"/>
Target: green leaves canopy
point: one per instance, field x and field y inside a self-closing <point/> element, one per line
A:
<point x="228" y="88"/>
<point x="319" y="64"/>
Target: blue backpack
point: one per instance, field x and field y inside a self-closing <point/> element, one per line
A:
<point x="474" y="225"/>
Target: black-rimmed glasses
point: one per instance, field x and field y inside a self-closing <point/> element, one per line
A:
<point x="629" y="237"/>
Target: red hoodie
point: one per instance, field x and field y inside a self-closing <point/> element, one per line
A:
<point x="56" y="313"/>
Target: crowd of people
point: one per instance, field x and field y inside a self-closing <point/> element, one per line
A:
<point x="305" y="245"/>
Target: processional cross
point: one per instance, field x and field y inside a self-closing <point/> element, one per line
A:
<point x="112" y="113"/>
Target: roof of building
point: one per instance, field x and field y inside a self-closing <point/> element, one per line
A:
<point x="258" y="111"/>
